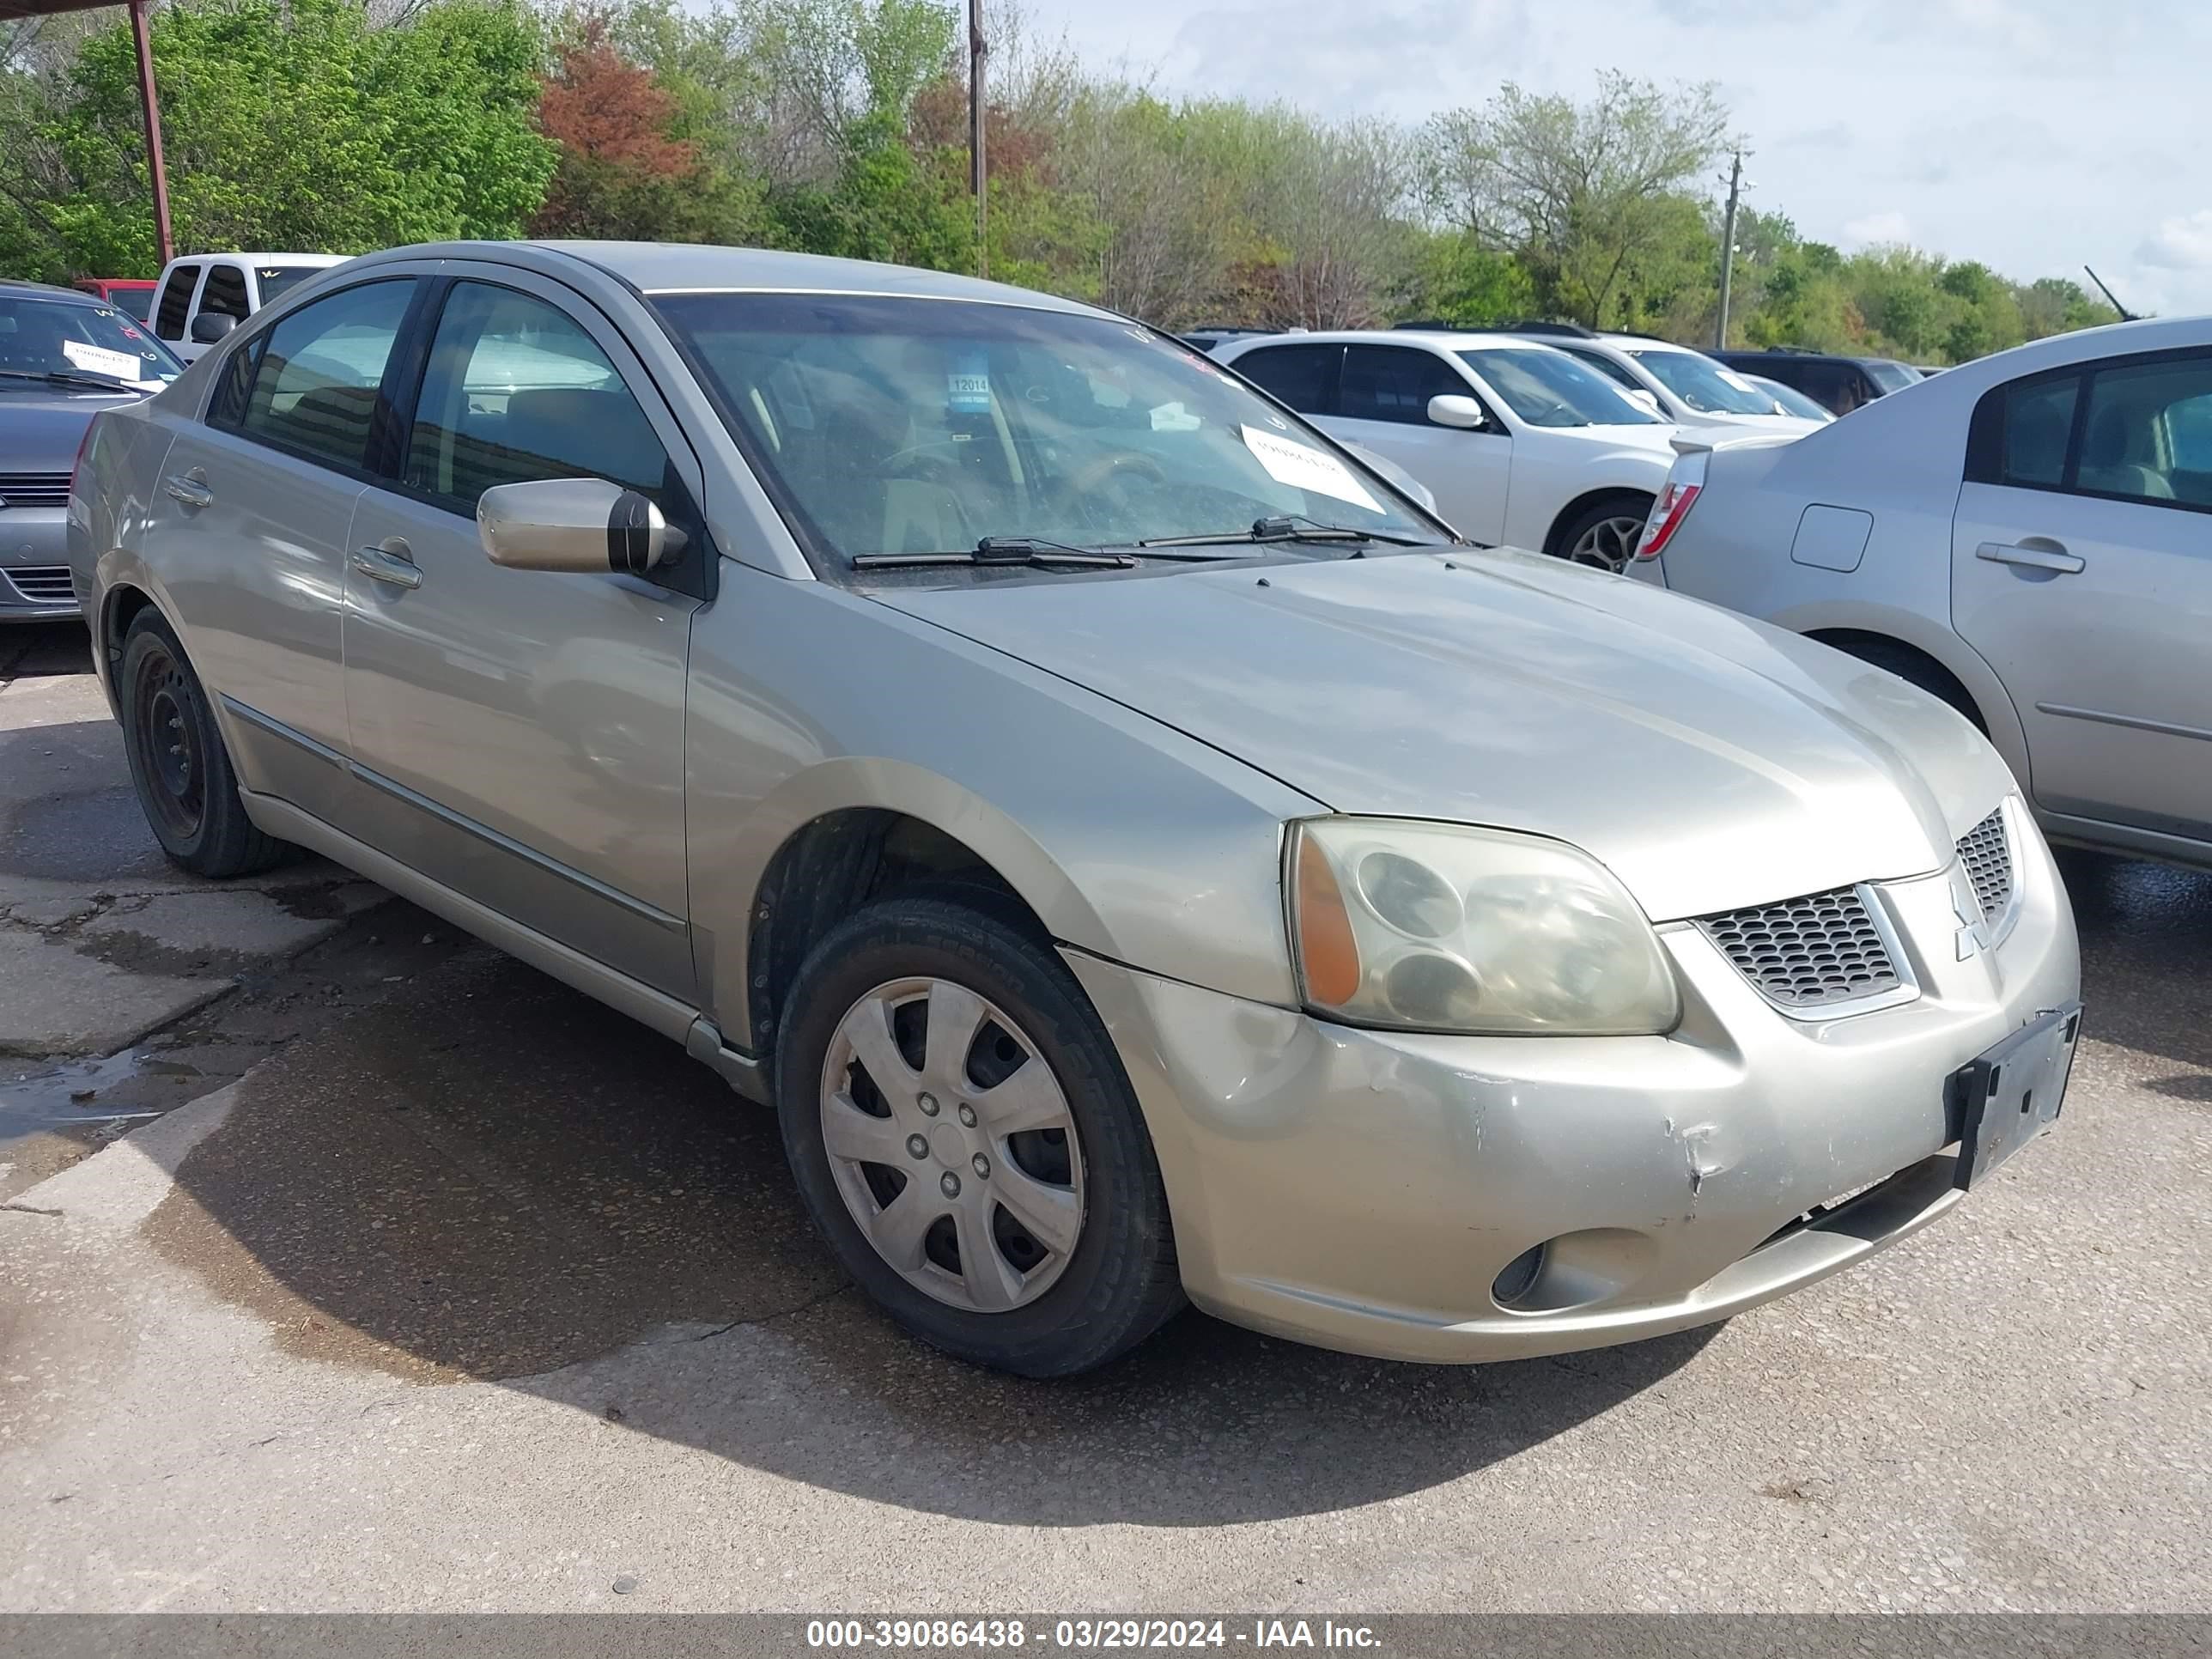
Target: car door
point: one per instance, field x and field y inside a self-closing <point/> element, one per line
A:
<point x="2081" y="568"/>
<point x="519" y="734"/>
<point x="1383" y="402"/>
<point x="248" y="533"/>
<point x="173" y="309"/>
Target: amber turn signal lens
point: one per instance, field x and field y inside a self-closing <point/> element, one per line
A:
<point x="1327" y="949"/>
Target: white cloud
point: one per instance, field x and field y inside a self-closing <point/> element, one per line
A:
<point x="2032" y="135"/>
<point x="1874" y="229"/>
<point x="2182" y="242"/>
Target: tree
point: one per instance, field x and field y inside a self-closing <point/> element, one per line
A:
<point x="1587" y="195"/>
<point x="292" y="124"/>
<point x="622" y="173"/>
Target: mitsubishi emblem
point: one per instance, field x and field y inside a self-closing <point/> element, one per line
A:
<point x="1967" y="908"/>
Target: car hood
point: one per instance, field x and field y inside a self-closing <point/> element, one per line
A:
<point x="1711" y="761"/>
<point x="41" y="426"/>
<point x="1658" y="437"/>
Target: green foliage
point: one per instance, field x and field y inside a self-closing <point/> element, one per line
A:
<point x="840" y="126"/>
<point x="299" y="126"/>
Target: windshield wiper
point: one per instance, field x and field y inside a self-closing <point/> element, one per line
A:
<point x="65" y="377"/>
<point x="999" y="550"/>
<point x="1290" y="527"/>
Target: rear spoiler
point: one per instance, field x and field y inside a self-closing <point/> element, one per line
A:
<point x="1685" y="445"/>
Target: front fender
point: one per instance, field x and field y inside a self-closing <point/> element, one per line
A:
<point x="1129" y="840"/>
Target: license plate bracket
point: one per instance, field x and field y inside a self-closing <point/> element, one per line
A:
<point x="2002" y="1099"/>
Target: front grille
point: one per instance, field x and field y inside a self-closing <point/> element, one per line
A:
<point x="43" y="584"/>
<point x="35" y="489"/>
<point x="1809" y="952"/>
<point x="1986" y="851"/>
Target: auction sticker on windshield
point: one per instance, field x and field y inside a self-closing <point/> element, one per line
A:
<point x="98" y="360"/>
<point x="1305" y="468"/>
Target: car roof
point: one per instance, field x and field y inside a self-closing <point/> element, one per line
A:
<point x="1441" y="339"/>
<point x="262" y="258"/>
<point x="657" y="268"/>
<point x="17" y="287"/>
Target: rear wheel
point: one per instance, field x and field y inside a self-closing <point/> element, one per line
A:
<point x="1604" y="534"/>
<point x="965" y="1139"/>
<point x="178" y="766"/>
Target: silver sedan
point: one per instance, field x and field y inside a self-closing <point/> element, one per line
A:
<point x="1140" y="853"/>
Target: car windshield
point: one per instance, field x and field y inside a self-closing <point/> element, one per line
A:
<point x="899" y="425"/>
<point x="1793" y="401"/>
<point x="1546" y="387"/>
<point x="79" y="338"/>
<point x="1709" y="387"/>
<point x="132" y="302"/>
<point x="1891" y="377"/>
<point x="275" y="282"/>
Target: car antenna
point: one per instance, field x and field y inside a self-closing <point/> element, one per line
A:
<point x="2126" y="316"/>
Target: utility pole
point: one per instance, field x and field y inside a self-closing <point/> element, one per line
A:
<point x="1728" y="247"/>
<point x="978" y="177"/>
<point x="151" y="105"/>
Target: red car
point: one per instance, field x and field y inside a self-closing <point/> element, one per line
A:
<point x="129" y="295"/>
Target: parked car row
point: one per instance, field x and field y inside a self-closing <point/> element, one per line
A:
<point x="1141" y="853"/>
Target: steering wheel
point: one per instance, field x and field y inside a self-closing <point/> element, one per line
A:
<point x="940" y="452"/>
<point x="1099" y="485"/>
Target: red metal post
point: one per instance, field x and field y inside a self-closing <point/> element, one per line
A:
<point x="153" y="106"/>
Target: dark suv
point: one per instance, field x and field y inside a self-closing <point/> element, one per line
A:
<point x="1839" y="384"/>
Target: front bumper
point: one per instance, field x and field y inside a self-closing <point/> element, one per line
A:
<point x="1363" y="1190"/>
<point x="34" y="568"/>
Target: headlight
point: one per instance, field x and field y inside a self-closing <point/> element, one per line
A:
<point x="1441" y="928"/>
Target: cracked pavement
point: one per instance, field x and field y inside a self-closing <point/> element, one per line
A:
<point x="471" y="1295"/>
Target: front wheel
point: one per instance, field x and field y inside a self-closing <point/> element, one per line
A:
<point x="1604" y="535"/>
<point x="964" y="1137"/>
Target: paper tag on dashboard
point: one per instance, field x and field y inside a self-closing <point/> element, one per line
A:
<point x="1302" y="467"/>
<point x="99" y="360"/>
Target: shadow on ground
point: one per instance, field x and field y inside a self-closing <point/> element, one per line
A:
<point x="489" y="1175"/>
<point x="2145" y="985"/>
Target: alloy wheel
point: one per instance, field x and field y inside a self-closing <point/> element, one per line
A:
<point x="951" y="1143"/>
<point x="1608" y="545"/>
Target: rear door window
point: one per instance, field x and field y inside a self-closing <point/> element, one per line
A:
<point x="2147" y="433"/>
<point x="225" y="292"/>
<point x="1302" y="376"/>
<point x="1394" y="383"/>
<point x="321" y="370"/>
<point x="176" y="302"/>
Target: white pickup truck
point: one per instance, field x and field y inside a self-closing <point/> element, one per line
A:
<point x="201" y="298"/>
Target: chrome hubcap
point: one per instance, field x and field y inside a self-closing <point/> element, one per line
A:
<point x="979" y="1206"/>
<point x="1609" y="543"/>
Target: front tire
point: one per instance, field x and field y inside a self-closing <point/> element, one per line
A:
<point x="186" y="784"/>
<point x="964" y="1137"/>
<point x="1604" y="534"/>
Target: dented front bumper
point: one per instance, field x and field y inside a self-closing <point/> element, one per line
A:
<point x="1365" y="1190"/>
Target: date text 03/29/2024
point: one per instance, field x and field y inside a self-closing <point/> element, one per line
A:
<point x="1086" y="1635"/>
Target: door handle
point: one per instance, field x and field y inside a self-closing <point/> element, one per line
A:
<point x="2052" y="557"/>
<point x="389" y="563"/>
<point x="189" y="488"/>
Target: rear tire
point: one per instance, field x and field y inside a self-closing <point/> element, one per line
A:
<point x="917" y="1032"/>
<point x="186" y="784"/>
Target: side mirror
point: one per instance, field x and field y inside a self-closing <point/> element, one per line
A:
<point x="574" y="524"/>
<point x="211" y="325"/>
<point x="1450" y="409"/>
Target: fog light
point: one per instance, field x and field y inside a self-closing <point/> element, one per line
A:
<point x="1518" y="1279"/>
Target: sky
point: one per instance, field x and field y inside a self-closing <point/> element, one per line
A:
<point x="2035" y="136"/>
